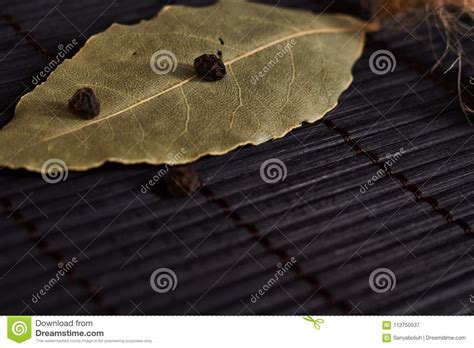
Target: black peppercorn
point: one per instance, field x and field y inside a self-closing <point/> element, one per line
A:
<point x="182" y="181"/>
<point x="84" y="103"/>
<point x="210" y="67"/>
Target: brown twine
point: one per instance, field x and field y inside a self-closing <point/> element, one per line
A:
<point x="449" y="17"/>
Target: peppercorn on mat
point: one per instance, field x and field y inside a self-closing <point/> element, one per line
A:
<point x="370" y="212"/>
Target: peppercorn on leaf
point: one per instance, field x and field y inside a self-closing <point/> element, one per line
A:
<point x="284" y="67"/>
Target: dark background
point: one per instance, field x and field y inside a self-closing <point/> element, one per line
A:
<point x="225" y="242"/>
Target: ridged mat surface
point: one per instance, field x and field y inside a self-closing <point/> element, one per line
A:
<point x="227" y="241"/>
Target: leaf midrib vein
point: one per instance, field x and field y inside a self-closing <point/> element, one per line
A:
<point x="230" y="62"/>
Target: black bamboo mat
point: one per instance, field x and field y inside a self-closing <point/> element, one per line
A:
<point x="228" y="241"/>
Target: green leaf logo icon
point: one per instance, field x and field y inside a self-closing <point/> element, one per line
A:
<point x="19" y="328"/>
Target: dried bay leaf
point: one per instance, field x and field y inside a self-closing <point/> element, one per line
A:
<point x="284" y="67"/>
